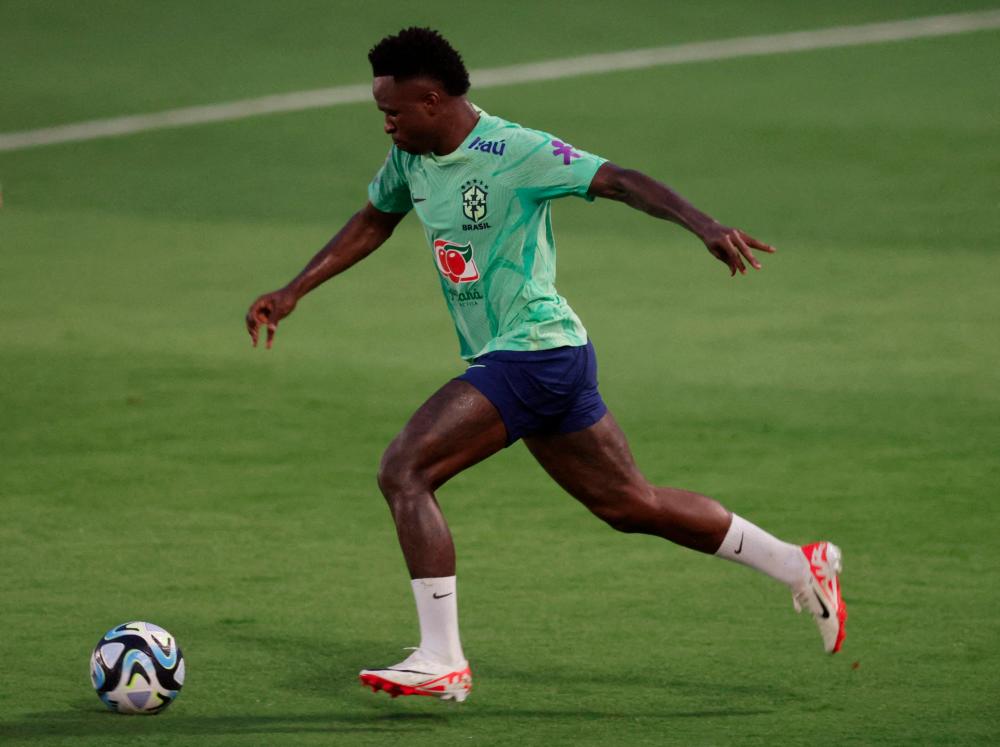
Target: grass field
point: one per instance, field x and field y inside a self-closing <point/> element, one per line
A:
<point x="156" y="467"/>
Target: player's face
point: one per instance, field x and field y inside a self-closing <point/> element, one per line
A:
<point x="412" y="112"/>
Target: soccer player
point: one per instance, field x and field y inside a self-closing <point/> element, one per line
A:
<point x="482" y="187"/>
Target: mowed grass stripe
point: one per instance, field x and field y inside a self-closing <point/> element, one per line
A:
<point x="568" y="67"/>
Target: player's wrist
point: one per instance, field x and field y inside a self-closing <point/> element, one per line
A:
<point x="292" y="292"/>
<point x="701" y="225"/>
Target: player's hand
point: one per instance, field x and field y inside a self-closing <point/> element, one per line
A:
<point x="734" y="248"/>
<point x="268" y="310"/>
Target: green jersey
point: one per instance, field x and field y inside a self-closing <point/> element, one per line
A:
<point x="485" y="211"/>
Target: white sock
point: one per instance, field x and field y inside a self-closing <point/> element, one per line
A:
<point x="437" y="609"/>
<point x="750" y="545"/>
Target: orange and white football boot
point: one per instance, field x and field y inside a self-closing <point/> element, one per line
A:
<point x="820" y="593"/>
<point x="421" y="675"/>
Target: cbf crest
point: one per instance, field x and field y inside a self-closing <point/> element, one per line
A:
<point x="474" y="200"/>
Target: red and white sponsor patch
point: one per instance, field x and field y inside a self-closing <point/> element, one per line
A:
<point x="455" y="261"/>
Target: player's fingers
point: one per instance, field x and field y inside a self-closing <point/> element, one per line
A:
<point x="721" y="255"/>
<point x="272" y="327"/>
<point x="745" y="251"/>
<point x="735" y="261"/>
<point x="757" y="244"/>
<point x="251" y="323"/>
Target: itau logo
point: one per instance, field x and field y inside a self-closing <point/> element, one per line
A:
<point x="474" y="200"/>
<point x="455" y="261"/>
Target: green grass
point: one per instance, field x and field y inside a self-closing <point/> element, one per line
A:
<point x="157" y="467"/>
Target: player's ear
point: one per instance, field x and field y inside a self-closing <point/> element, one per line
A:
<point x="431" y="101"/>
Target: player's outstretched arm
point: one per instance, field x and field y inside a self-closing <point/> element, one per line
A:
<point x="730" y="246"/>
<point x="365" y="232"/>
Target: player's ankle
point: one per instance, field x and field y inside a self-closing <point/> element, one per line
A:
<point x="441" y="658"/>
<point x="749" y="545"/>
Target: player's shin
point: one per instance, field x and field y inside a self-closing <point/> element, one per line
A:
<point x="750" y="545"/>
<point x="437" y="608"/>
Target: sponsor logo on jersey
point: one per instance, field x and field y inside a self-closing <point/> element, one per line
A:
<point x="474" y="200"/>
<point x="496" y="147"/>
<point x="565" y="150"/>
<point x="455" y="261"/>
<point x="465" y="298"/>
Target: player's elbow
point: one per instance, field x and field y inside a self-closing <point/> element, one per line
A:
<point x="377" y="224"/>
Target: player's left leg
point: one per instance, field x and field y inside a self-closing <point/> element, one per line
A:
<point x="596" y="466"/>
<point x="454" y="429"/>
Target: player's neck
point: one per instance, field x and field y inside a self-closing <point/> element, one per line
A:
<point x="461" y="122"/>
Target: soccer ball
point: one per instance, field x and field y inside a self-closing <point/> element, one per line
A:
<point x="137" y="668"/>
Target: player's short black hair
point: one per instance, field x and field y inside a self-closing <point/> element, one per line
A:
<point x="416" y="51"/>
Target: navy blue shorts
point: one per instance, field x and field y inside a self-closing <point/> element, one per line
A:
<point x="540" y="391"/>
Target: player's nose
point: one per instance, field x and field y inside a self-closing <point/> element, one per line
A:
<point x="389" y="127"/>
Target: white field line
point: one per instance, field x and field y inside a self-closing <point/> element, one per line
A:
<point x="568" y="67"/>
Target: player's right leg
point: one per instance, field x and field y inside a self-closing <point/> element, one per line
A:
<point x="595" y="466"/>
<point x="456" y="428"/>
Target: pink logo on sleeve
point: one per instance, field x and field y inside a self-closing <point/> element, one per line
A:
<point x="565" y="150"/>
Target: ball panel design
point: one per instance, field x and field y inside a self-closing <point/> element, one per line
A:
<point x="137" y="667"/>
<point x="110" y="653"/>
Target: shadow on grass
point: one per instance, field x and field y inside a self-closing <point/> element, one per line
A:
<point x="86" y="721"/>
<point x="83" y="721"/>
<point x="376" y="718"/>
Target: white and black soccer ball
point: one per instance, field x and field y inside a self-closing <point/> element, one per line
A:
<point x="137" y="667"/>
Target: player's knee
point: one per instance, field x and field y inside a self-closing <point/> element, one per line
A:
<point x="390" y="471"/>
<point x="624" y="521"/>
<point x="617" y="519"/>
<point x="397" y="473"/>
<point x="626" y="512"/>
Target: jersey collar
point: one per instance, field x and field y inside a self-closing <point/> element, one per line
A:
<point x="461" y="153"/>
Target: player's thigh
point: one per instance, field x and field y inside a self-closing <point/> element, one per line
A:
<point x="594" y="465"/>
<point x="454" y="429"/>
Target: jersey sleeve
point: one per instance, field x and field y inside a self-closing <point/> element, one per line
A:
<point x="553" y="168"/>
<point x="389" y="191"/>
